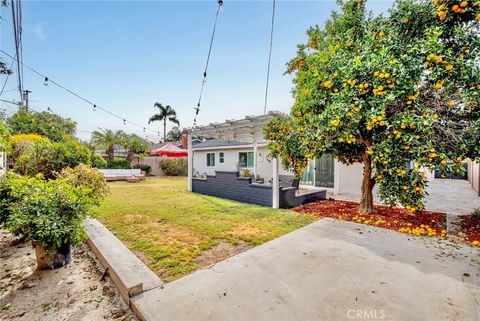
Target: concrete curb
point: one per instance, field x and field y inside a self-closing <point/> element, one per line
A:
<point x="127" y="272"/>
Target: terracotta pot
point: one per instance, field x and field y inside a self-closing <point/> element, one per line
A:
<point x="49" y="258"/>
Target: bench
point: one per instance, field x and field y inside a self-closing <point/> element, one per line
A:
<point x="122" y="174"/>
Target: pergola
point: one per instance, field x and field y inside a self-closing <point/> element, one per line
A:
<point x="249" y="129"/>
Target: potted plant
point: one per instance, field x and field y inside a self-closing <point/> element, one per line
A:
<point x="50" y="213"/>
<point x="259" y="180"/>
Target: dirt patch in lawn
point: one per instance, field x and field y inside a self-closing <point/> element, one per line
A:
<point x="77" y="291"/>
<point x="221" y="252"/>
<point x="398" y="219"/>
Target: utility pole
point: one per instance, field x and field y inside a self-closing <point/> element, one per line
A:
<point x="25" y="97"/>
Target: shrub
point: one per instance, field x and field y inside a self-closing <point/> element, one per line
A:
<point x="245" y="173"/>
<point x="45" y="124"/>
<point x="89" y="178"/>
<point x="174" y="167"/>
<point x="5" y="199"/>
<point x="118" y="163"/>
<point x="50" y="158"/>
<point x="475" y="213"/>
<point x="48" y="212"/>
<point x="98" y="161"/>
<point x="4" y="136"/>
<point x="144" y="167"/>
<point x="19" y="144"/>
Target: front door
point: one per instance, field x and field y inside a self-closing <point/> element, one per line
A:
<point x="324" y="169"/>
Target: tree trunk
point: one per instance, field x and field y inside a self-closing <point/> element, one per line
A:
<point x="110" y="152"/>
<point x="366" y="203"/>
<point x="164" y="130"/>
<point x="49" y="258"/>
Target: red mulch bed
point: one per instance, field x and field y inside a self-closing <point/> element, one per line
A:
<point x="470" y="226"/>
<point x="398" y="219"/>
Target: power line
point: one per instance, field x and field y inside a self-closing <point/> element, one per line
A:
<point x="204" y="80"/>
<point x="94" y="106"/>
<point x="6" y="78"/>
<point x="269" y="58"/>
<point x="17" y="37"/>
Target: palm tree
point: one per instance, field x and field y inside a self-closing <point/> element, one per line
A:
<point x="107" y="139"/>
<point x="136" y="145"/>
<point x="165" y="112"/>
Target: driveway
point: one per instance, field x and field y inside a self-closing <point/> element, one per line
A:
<point x="452" y="196"/>
<point x="329" y="270"/>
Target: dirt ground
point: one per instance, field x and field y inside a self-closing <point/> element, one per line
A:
<point x="221" y="252"/>
<point x="78" y="291"/>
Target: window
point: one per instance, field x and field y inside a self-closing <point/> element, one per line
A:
<point x="210" y="159"/>
<point x="245" y="159"/>
<point x="221" y="157"/>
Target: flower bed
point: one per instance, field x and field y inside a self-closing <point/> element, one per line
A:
<point x="424" y="223"/>
<point x="470" y="229"/>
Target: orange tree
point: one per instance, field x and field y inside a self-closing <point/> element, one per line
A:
<point x="397" y="93"/>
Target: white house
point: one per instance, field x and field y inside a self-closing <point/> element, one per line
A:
<point x="228" y="155"/>
<point x="239" y="144"/>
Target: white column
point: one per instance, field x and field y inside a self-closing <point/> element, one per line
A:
<point x="275" y="184"/>
<point x="255" y="151"/>
<point x="336" y="177"/>
<point x="190" y="162"/>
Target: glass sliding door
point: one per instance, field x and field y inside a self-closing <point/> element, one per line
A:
<point x="324" y="170"/>
<point x="319" y="172"/>
<point x="308" y="175"/>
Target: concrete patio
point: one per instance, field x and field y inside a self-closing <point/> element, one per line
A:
<point x="329" y="270"/>
<point x="452" y="196"/>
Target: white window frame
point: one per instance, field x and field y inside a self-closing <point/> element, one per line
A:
<point x="221" y="157"/>
<point x="212" y="160"/>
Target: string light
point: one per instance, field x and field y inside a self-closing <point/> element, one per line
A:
<point x="94" y="107"/>
<point x="45" y="82"/>
<point x="50" y="81"/>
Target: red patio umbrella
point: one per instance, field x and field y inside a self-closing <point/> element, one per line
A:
<point x="170" y="150"/>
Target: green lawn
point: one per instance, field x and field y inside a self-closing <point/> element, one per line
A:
<point x="168" y="227"/>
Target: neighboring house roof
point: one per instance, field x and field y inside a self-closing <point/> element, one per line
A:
<point x="220" y="143"/>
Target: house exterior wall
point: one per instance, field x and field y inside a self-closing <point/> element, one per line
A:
<point x="227" y="184"/>
<point x="264" y="165"/>
<point x="349" y="178"/>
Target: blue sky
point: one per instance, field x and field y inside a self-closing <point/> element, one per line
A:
<point x="126" y="55"/>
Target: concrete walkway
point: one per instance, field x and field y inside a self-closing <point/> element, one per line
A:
<point x="329" y="270"/>
<point x="453" y="196"/>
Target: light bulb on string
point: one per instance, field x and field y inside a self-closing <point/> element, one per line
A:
<point x="220" y="4"/>
<point x="94" y="107"/>
<point x="124" y="122"/>
<point x="143" y="129"/>
<point x="45" y="82"/>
